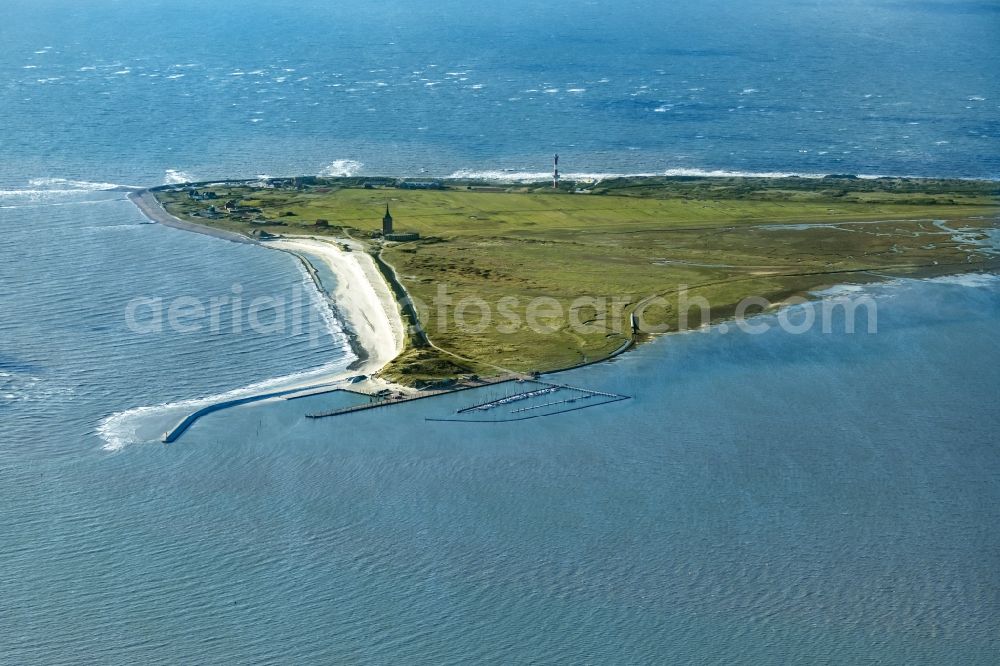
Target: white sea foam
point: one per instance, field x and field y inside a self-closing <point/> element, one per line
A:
<point x="839" y="291"/>
<point x="341" y="168"/>
<point x="969" y="279"/>
<point x="77" y="185"/>
<point x="147" y="423"/>
<point x="176" y="177"/>
<point x="723" y="173"/>
<point x="532" y="176"/>
<point x="40" y="189"/>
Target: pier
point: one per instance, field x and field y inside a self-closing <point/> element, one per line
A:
<point x="375" y="404"/>
<point x="591" y="397"/>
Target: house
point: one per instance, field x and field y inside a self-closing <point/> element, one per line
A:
<point x="211" y="213"/>
<point x="233" y="207"/>
<point x="420" y="185"/>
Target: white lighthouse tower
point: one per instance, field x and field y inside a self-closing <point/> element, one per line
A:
<point x="555" y="172"/>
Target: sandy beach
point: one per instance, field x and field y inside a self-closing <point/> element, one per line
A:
<point x="146" y="202"/>
<point x="363" y="301"/>
<point x="362" y="298"/>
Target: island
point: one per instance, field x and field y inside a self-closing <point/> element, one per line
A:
<point x="468" y="280"/>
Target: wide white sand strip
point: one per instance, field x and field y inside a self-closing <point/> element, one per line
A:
<point x="368" y="311"/>
<point x="362" y="297"/>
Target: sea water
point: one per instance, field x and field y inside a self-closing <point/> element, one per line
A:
<point x="759" y="499"/>
<point x="142" y="91"/>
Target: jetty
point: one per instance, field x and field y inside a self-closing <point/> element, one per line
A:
<point x="378" y="400"/>
<point x="171" y="435"/>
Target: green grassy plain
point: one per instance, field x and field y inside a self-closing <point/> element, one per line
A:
<point x="597" y="255"/>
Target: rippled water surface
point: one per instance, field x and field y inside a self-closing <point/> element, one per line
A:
<point x="761" y="498"/>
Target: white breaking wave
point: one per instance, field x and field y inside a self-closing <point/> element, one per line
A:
<point x="969" y="279"/>
<point x="68" y="185"/>
<point x="41" y="188"/>
<point x="77" y="185"/>
<point x="176" y="177"/>
<point x="840" y="291"/>
<point x="341" y="168"/>
<point x="722" y="173"/>
<point x="534" y="176"/>
<point x="123" y="428"/>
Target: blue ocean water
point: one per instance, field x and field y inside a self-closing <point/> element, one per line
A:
<point x="762" y="498"/>
<point x="132" y="91"/>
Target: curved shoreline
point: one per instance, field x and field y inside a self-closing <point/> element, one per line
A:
<point x="375" y="276"/>
<point x="147" y="203"/>
<point x="366" y="339"/>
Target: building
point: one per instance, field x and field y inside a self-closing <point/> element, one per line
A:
<point x="420" y="185"/>
<point x="390" y="235"/>
<point x="401" y="236"/>
<point x="234" y="207"/>
<point x="202" y="196"/>
<point x="387" y="222"/>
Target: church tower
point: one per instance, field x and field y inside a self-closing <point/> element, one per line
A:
<point x="387" y="222"/>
